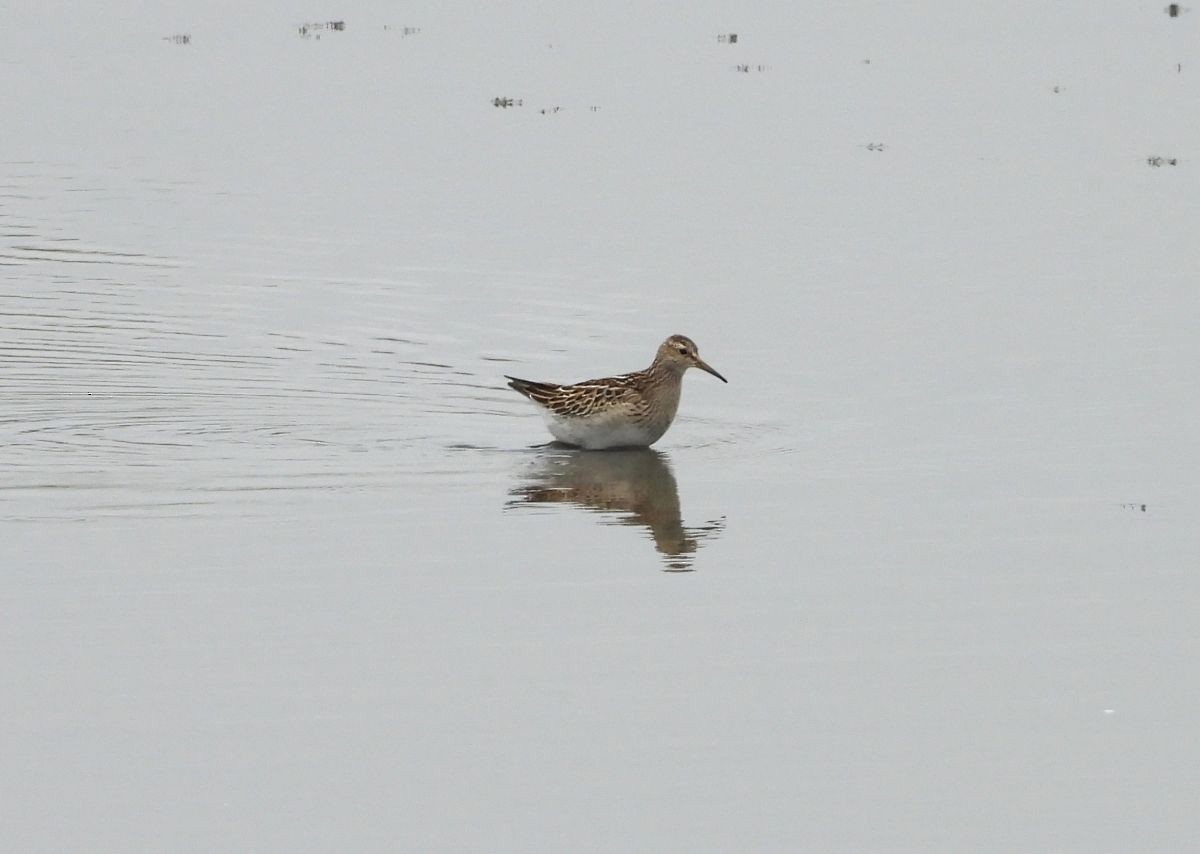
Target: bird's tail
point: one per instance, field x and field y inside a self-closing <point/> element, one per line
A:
<point x="534" y="391"/>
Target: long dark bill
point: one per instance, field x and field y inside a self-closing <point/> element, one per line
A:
<point x="704" y="366"/>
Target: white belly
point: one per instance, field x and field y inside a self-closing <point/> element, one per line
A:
<point x="601" y="432"/>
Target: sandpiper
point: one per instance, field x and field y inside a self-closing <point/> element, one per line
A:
<point x="630" y="410"/>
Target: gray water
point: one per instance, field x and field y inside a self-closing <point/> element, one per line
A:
<point x="285" y="566"/>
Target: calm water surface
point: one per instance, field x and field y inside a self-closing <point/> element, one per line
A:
<point x="284" y="565"/>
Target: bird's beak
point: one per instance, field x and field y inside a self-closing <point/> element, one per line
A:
<point x="704" y="366"/>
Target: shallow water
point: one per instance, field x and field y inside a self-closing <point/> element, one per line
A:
<point x="286" y="565"/>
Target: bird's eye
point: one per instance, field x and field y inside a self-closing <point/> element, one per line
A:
<point x="682" y="349"/>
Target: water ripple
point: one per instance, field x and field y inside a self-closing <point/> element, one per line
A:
<point x="263" y="368"/>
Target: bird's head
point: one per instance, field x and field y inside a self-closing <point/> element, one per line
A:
<point x="680" y="353"/>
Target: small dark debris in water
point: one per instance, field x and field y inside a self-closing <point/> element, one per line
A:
<point x="179" y="38"/>
<point x="313" y="31"/>
<point x="1157" y="161"/>
<point x="746" y="68"/>
<point x="508" y="102"/>
<point x="1057" y="89"/>
<point x="403" y="31"/>
<point x="866" y="62"/>
<point x="1134" y="506"/>
<point x="1174" y="10"/>
<point x="549" y="111"/>
<point x="594" y="109"/>
<point x="727" y="38"/>
<point x="874" y="146"/>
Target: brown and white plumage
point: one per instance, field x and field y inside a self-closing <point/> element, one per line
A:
<point x="622" y="411"/>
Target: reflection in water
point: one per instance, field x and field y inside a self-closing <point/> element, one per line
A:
<point x="630" y="487"/>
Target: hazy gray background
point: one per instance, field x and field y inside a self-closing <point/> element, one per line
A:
<point x="280" y="569"/>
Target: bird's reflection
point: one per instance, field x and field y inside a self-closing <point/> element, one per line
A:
<point x="629" y="487"/>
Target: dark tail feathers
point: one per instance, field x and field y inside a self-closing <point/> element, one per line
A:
<point x="530" y="389"/>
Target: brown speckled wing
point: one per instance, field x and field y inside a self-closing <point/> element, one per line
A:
<point x="582" y="399"/>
